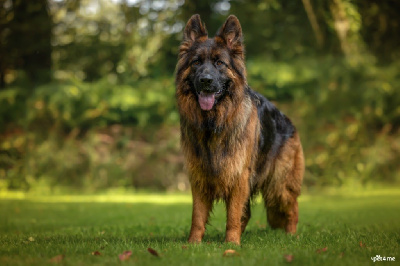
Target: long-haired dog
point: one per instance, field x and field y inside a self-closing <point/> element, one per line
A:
<point x="236" y="143"/>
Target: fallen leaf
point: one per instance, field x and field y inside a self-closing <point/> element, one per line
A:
<point x="230" y="253"/>
<point x="362" y="244"/>
<point x="322" y="250"/>
<point x="260" y="225"/>
<point x="288" y="257"/>
<point x="31" y="239"/>
<point x="184" y="247"/>
<point x="153" y="252"/>
<point x="125" y="255"/>
<point x="96" y="253"/>
<point x="57" y="259"/>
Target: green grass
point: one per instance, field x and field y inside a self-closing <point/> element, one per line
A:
<point x="346" y="229"/>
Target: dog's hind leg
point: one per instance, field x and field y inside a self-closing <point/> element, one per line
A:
<point x="284" y="219"/>
<point x="281" y="192"/>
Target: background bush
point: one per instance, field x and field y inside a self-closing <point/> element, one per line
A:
<point x="101" y="113"/>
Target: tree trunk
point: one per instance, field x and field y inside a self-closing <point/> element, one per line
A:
<point x="31" y="32"/>
<point x="314" y="23"/>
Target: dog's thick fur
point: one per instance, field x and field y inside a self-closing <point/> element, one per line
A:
<point x="236" y="143"/>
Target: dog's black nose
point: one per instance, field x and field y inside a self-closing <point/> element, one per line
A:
<point x="206" y="80"/>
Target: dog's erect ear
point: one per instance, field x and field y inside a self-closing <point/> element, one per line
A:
<point x="194" y="29"/>
<point x="231" y="32"/>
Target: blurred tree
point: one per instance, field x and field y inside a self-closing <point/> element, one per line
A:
<point x="152" y="30"/>
<point x="88" y="38"/>
<point x="268" y="25"/>
<point x="346" y="21"/>
<point x="335" y="61"/>
<point x="25" y="47"/>
<point x="314" y="22"/>
<point x="208" y="11"/>
<point x="380" y="28"/>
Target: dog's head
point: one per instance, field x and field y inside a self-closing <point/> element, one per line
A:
<point x="212" y="70"/>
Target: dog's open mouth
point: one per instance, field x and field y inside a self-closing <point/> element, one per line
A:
<point x="206" y="100"/>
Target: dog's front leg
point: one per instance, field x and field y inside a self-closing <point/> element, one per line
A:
<point x="235" y="205"/>
<point x="201" y="209"/>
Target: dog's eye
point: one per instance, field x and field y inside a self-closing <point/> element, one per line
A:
<point x="196" y="62"/>
<point x="219" y="63"/>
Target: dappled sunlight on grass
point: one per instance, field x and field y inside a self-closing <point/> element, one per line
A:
<point x="349" y="193"/>
<point x="171" y="198"/>
<point x="107" y="198"/>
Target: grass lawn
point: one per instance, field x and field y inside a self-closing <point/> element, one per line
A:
<point x="334" y="229"/>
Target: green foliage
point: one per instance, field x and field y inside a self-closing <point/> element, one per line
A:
<point x="71" y="134"/>
<point x="76" y="104"/>
<point x="277" y="29"/>
<point x="346" y="115"/>
<point x="349" y="121"/>
<point x="114" y="157"/>
<point x="333" y="230"/>
<point x="332" y="66"/>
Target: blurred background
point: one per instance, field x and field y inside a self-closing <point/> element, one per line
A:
<point x="87" y="88"/>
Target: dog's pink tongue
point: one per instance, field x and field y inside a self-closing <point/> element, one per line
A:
<point x="206" y="101"/>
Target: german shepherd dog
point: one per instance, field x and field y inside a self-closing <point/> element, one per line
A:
<point x="236" y="143"/>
